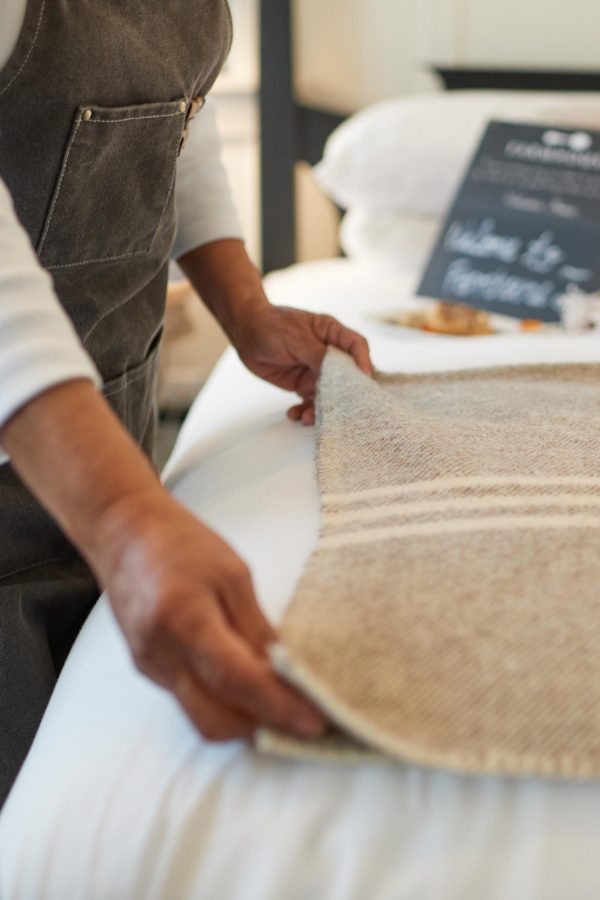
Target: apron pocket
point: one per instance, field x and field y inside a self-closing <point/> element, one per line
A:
<point x="115" y="181"/>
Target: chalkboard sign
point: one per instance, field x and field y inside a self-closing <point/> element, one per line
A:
<point x="525" y="225"/>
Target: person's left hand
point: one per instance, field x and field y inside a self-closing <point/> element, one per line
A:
<point x="286" y="347"/>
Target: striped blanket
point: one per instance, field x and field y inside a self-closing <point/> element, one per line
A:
<point x="450" y="615"/>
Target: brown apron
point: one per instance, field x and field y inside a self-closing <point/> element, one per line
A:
<point x="94" y="101"/>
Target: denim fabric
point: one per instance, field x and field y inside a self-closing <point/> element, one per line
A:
<point x="93" y="104"/>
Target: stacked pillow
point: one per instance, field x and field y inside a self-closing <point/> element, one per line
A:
<point x="396" y="166"/>
<point x="392" y="237"/>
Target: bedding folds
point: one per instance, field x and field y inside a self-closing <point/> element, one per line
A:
<point x="120" y="798"/>
<point x="449" y="615"/>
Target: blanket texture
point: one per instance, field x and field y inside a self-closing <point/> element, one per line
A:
<point x="450" y="615"/>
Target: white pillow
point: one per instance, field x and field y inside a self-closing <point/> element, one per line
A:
<point x="399" y="240"/>
<point x="411" y="153"/>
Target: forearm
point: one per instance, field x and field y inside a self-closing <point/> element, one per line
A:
<point x="76" y="458"/>
<point x="228" y="282"/>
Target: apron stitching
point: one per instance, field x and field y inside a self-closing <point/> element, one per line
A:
<point x="116" y="390"/>
<point x="84" y="262"/>
<point x="59" y="185"/>
<point x="94" y="121"/>
<point x="37" y="565"/>
<point x="29" y="52"/>
<point x="128" y="379"/>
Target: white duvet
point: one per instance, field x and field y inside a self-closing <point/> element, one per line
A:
<point x="120" y="799"/>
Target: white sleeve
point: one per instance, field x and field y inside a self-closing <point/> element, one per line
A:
<point x="39" y="347"/>
<point x="205" y="208"/>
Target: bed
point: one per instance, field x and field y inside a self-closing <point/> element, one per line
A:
<point x="143" y="808"/>
<point x="119" y="797"/>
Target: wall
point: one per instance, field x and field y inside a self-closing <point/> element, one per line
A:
<point x="544" y="33"/>
<point x="349" y="53"/>
<point x="353" y="52"/>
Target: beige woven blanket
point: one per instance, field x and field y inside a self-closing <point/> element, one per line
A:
<point x="450" y="615"/>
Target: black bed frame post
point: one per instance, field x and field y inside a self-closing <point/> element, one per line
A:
<point x="278" y="135"/>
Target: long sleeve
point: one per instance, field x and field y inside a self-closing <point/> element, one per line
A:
<point x="205" y="209"/>
<point x="39" y="347"/>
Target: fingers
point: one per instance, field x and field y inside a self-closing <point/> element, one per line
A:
<point x="224" y="687"/>
<point x="328" y="331"/>
<point x="214" y="720"/>
<point x="187" y="606"/>
<point x="234" y="675"/>
<point x="303" y="412"/>
<point x="242" y="609"/>
<point x="332" y="332"/>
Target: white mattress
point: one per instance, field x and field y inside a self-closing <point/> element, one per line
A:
<point x="120" y="799"/>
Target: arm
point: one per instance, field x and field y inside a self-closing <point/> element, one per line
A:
<point x="205" y="208"/>
<point x="38" y="344"/>
<point x="282" y="345"/>
<point x="182" y="597"/>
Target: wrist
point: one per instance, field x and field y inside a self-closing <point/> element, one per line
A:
<point x="68" y="447"/>
<point x="242" y="318"/>
<point x="123" y="524"/>
<point x="229" y="284"/>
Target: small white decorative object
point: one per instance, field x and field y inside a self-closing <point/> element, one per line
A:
<point x="594" y="311"/>
<point x="579" y="311"/>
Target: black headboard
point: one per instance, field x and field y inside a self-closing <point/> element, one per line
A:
<point x="517" y="80"/>
<point x="292" y="132"/>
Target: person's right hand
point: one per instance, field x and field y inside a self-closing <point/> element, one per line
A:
<point x="186" y="604"/>
<point x="183" y="598"/>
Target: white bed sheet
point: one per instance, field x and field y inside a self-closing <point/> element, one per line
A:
<point x="119" y="799"/>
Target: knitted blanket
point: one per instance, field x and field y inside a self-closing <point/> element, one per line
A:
<point x="450" y="615"/>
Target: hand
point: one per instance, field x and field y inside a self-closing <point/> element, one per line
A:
<point x="286" y="347"/>
<point x="186" y="604"/>
<point x="183" y="598"/>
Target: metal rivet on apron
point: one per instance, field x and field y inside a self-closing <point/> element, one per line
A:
<point x="87" y="115"/>
<point x="182" y="106"/>
<point x="195" y="106"/>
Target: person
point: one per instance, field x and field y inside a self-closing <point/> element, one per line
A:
<point x="97" y="191"/>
